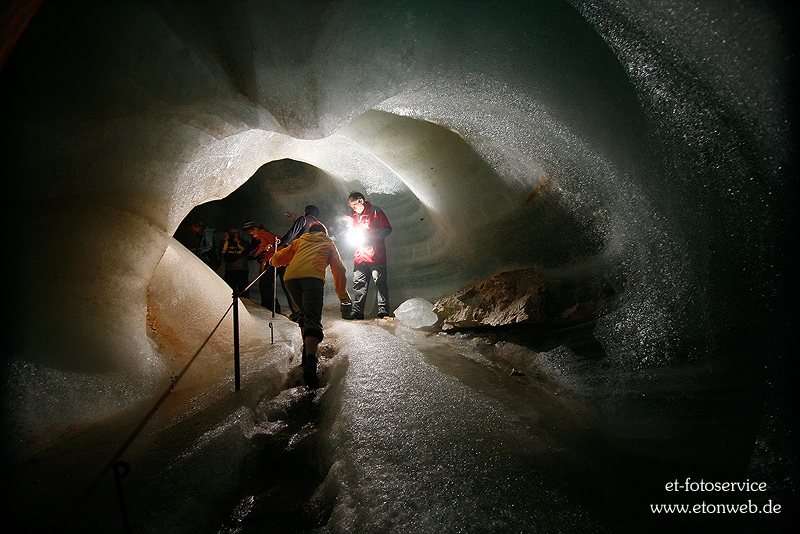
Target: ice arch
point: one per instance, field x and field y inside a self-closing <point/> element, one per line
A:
<point x="659" y="132"/>
<point x="166" y="115"/>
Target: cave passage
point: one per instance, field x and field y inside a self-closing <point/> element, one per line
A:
<point x="644" y="147"/>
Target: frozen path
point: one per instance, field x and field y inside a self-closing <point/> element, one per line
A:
<point x="419" y="449"/>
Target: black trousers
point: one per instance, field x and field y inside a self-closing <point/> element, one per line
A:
<point x="308" y="296"/>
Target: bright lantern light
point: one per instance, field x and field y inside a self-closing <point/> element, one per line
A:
<point x="356" y="236"/>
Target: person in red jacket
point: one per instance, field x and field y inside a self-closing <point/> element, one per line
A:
<point x="369" y="228"/>
<point x="262" y="247"/>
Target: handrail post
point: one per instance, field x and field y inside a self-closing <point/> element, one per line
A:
<point x="274" y="292"/>
<point x="236" y="372"/>
<point x="121" y="470"/>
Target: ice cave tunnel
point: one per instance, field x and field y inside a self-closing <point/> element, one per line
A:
<point x="644" y="144"/>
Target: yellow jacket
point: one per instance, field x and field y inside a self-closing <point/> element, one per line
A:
<point x="308" y="256"/>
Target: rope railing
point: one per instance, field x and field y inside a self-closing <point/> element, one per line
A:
<point x="235" y="305"/>
<point x="121" y="469"/>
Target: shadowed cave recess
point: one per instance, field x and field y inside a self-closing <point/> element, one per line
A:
<point x="645" y="146"/>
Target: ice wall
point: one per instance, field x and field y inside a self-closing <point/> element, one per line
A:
<point x="566" y="136"/>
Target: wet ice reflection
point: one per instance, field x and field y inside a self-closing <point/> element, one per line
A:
<point x="420" y="447"/>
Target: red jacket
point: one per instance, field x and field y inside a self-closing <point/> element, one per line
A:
<point x="263" y="246"/>
<point x="375" y="226"/>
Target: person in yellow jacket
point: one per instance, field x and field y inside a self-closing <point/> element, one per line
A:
<point x="307" y="259"/>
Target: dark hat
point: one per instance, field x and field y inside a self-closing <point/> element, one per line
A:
<point x="251" y="224"/>
<point x="312" y="210"/>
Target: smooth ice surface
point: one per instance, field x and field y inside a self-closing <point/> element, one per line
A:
<point x="416" y="313"/>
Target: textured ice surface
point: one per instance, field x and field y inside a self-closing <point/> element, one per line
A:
<point x="648" y="139"/>
<point x="420" y="442"/>
<point x="416" y="313"/>
<point x="506" y="150"/>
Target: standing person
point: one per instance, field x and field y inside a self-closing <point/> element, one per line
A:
<point x="301" y="225"/>
<point x="234" y="252"/>
<point x="369" y="227"/>
<point x="262" y="247"/>
<point x="208" y="249"/>
<point x="307" y="258"/>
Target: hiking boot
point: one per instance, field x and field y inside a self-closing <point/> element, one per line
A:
<point x="310" y="371"/>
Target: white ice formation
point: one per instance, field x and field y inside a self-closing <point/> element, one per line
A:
<point x="645" y="142"/>
<point x="416" y="313"/>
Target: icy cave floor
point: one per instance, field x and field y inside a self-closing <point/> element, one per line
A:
<point x="411" y="431"/>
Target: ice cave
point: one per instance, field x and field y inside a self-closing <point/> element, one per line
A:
<point x="643" y="145"/>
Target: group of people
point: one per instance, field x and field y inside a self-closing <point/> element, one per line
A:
<point x="300" y="259"/>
